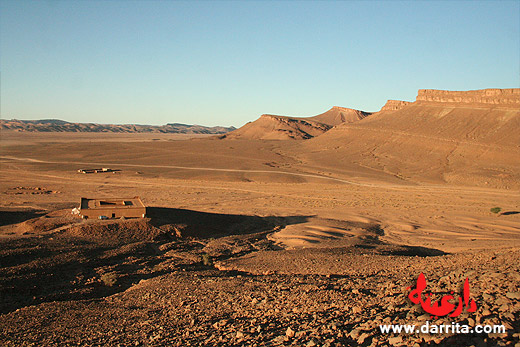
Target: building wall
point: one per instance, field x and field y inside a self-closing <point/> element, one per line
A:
<point x="136" y="212"/>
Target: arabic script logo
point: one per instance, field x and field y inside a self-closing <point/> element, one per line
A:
<point x="447" y="306"/>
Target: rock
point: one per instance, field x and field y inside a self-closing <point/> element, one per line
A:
<point x="502" y="301"/>
<point x="504" y="308"/>
<point x="357" y="309"/>
<point x="487" y="297"/>
<point x="300" y="334"/>
<point x="278" y="340"/>
<point x="362" y="338"/>
<point x="425" y="316"/>
<point x="513" y="295"/>
<point x="514" y="275"/>
<point x="354" y="334"/>
<point x="395" y="340"/>
<point x="311" y="343"/>
<point x="486" y="312"/>
<point x="289" y="332"/>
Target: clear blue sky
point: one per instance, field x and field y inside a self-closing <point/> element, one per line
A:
<point x="226" y="63"/>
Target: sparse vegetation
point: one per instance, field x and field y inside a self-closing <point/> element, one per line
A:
<point x="495" y="210"/>
<point x="109" y="279"/>
<point x="206" y="260"/>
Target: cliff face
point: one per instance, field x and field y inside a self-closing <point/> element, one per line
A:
<point x="338" y="115"/>
<point x="394" y="105"/>
<point x="506" y="97"/>
<point x="458" y="137"/>
<point x="272" y="127"/>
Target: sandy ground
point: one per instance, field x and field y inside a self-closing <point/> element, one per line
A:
<point x="278" y="222"/>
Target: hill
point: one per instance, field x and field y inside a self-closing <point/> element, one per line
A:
<point x="468" y="137"/>
<point x="337" y="115"/>
<point x="394" y="105"/>
<point x="273" y="127"/>
<point x="56" y="125"/>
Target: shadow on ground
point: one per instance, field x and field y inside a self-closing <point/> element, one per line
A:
<point x="14" y="216"/>
<point x="94" y="258"/>
<point x="188" y="223"/>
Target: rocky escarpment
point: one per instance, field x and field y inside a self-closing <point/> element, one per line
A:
<point x="338" y="115"/>
<point x="272" y="127"/>
<point x="506" y="97"/>
<point x="394" y="105"/>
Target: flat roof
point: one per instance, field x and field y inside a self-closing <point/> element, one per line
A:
<point x="112" y="203"/>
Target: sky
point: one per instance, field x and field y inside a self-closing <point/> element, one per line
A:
<point x="227" y="62"/>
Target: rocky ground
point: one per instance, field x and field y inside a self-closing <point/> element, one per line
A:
<point x="94" y="283"/>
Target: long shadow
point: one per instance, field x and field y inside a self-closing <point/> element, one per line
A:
<point x="413" y="251"/>
<point x="60" y="267"/>
<point x="204" y="224"/>
<point x="8" y="217"/>
<point x="510" y="213"/>
<point x="57" y="267"/>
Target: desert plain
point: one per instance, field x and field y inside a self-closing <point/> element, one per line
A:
<point x="265" y="236"/>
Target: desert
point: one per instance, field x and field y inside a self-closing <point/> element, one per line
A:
<point x="303" y="231"/>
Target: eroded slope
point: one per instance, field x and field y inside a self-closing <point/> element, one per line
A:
<point x="465" y="139"/>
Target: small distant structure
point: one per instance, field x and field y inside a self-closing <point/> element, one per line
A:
<point x="112" y="208"/>
<point x="102" y="170"/>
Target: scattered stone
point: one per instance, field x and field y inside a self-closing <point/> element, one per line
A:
<point x="502" y="301"/>
<point x="394" y="341"/>
<point x="486" y="313"/>
<point x="357" y="309"/>
<point x="361" y="339"/>
<point x="354" y="334"/>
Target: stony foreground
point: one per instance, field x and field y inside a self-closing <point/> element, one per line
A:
<point x="170" y="293"/>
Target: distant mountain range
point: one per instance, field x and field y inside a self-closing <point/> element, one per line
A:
<point x="56" y="125"/>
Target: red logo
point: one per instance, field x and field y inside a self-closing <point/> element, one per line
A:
<point x="447" y="306"/>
